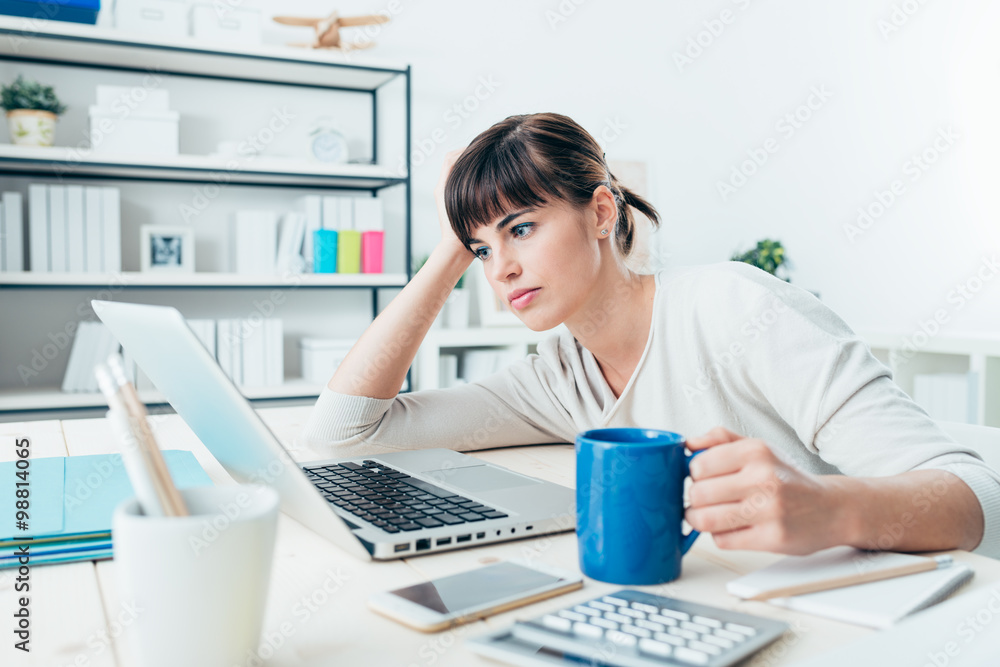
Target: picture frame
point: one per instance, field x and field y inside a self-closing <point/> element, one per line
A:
<point x="492" y="311"/>
<point x="166" y="248"/>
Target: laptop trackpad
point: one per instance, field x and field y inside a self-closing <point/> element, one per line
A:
<point x="480" y="478"/>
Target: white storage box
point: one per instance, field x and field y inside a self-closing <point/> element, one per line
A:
<point x="163" y="18"/>
<point x="134" y="134"/>
<point x="132" y="99"/>
<point x="224" y="24"/>
<point x="321" y="357"/>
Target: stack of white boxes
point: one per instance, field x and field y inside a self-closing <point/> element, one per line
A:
<point x="134" y="121"/>
<point x="218" y="22"/>
<point x="322" y="356"/>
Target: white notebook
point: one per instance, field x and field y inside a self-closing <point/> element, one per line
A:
<point x="878" y="604"/>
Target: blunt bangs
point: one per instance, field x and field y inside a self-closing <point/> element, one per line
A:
<point x="492" y="178"/>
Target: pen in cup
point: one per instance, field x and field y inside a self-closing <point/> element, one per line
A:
<point x="142" y="457"/>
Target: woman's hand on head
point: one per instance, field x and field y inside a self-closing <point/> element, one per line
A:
<point x="447" y="233"/>
<point x="748" y="498"/>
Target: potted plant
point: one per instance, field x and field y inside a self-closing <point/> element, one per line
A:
<point x="32" y="110"/>
<point x="768" y="255"/>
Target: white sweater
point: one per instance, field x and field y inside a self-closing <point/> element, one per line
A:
<point x="729" y="345"/>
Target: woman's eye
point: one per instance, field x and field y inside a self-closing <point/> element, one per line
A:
<point x="522" y="230"/>
<point x="483" y="252"/>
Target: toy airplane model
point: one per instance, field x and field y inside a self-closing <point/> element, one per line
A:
<point x="328" y="30"/>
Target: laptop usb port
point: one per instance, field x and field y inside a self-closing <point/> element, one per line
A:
<point x="423" y="545"/>
<point x="480" y="536"/>
<point x="444" y="540"/>
<point x="405" y="546"/>
<point x="463" y="538"/>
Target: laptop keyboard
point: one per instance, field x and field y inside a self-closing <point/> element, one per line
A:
<point x="635" y="629"/>
<point x="393" y="500"/>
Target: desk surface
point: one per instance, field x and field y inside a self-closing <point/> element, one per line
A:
<point x="317" y="612"/>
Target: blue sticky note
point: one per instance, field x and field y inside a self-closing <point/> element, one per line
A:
<point x="77" y="494"/>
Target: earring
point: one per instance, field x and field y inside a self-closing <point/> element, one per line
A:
<point x="604" y="232"/>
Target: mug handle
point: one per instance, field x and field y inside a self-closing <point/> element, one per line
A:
<point x="688" y="540"/>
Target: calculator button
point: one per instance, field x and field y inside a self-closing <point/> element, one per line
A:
<point x="604" y="623"/>
<point x="705" y="648"/>
<point x="656" y="648"/>
<point x="638" y="632"/>
<point x="557" y="623"/>
<point x="603" y="606"/>
<point x="572" y="615"/>
<point x="695" y="627"/>
<point x="710" y="622"/>
<point x="686" y="634"/>
<point x="650" y="625"/>
<point x="691" y="656"/>
<point x="663" y="620"/>
<point x="617" y="618"/>
<point x="673" y="613"/>
<point x="587" y="630"/>
<point x="718" y="641"/>
<point x="584" y="609"/>
<point x="620" y="638"/>
<point x="618" y="602"/>
<point x="625" y="611"/>
<point x="668" y="639"/>
<point x="647" y="608"/>
<point x="732" y="636"/>
<point x="742" y="629"/>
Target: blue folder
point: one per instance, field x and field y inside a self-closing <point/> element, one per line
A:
<point x="73" y="497"/>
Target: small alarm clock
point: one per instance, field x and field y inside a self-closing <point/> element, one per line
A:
<point x="328" y="144"/>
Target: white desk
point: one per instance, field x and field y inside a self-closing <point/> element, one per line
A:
<point x="317" y="612"/>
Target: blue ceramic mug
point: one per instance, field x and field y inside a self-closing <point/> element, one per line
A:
<point x="629" y="505"/>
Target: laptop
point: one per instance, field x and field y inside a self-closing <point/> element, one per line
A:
<point x="376" y="508"/>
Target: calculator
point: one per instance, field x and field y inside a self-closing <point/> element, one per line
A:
<point x="630" y="628"/>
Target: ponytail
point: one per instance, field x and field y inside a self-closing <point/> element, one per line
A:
<point x="625" y="227"/>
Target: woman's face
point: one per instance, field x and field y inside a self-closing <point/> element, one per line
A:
<point x="542" y="262"/>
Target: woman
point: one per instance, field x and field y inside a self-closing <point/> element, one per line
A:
<point x="810" y="442"/>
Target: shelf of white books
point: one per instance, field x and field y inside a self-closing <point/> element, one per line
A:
<point x="49" y="398"/>
<point x="206" y="279"/>
<point x="60" y="41"/>
<point x="238" y="170"/>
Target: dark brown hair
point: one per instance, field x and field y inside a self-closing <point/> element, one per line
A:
<point x="532" y="160"/>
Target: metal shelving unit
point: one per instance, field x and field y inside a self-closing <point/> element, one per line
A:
<point x="71" y="45"/>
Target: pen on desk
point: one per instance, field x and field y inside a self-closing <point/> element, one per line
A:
<point x="171" y="500"/>
<point x="133" y="457"/>
<point x="925" y="565"/>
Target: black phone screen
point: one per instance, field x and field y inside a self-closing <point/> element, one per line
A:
<point x="478" y="588"/>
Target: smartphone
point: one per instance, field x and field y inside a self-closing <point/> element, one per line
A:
<point x="469" y="596"/>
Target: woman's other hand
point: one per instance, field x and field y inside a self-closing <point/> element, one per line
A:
<point x="748" y="498"/>
<point x="447" y="233"/>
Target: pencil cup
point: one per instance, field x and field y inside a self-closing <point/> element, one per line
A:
<point x="198" y="583"/>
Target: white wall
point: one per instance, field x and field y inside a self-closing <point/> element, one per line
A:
<point x="890" y="92"/>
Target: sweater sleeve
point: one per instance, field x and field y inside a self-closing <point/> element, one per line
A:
<point x="823" y="380"/>
<point x="516" y="406"/>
